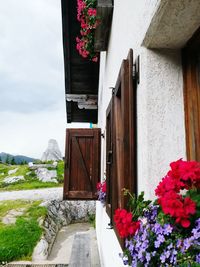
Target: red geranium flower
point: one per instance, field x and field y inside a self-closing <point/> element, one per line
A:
<point x="183" y="175"/>
<point x="124" y="224"/>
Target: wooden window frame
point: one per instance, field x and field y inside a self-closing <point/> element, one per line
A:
<point x="192" y="97"/>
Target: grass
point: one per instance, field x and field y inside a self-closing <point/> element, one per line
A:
<point x="92" y="220"/>
<point x="5" y="206"/>
<point x="60" y="171"/>
<point x="31" y="181"/>
<point x="18" y="240"/>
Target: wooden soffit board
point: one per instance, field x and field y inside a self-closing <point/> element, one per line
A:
<point x="81" y="75"/>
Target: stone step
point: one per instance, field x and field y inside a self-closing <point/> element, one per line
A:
<point x="80" y="255"/>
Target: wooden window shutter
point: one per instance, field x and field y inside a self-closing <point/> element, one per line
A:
<point x="191" y="72"/>
<point x="82" y="163"/>
<point x="121" y="138"/>
<point x="109" y="158"/>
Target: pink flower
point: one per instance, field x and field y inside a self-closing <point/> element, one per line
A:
<point x="84" y="25"/>
<point x="95" y="59"/>
<point x="92" y="12"/>
<point x="86" y="15"/>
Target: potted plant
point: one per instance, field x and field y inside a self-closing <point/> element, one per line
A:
<point x="87" y="16"/>
<point x="95" y="20"/>
<point x="165" y="232"/>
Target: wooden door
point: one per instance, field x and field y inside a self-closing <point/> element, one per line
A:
<point x="82" y="163"/>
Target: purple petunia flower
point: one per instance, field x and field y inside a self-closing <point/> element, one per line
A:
<point x="148" y="257"/>
<point x="167" y="229"/>
<point x="153" y="253"/>
<point x="187" y="243"/>
<point x="167" y="254"/>
<point x="160" y="239"/>
<point x="173" y="257"/>
<point x="162" y="258"/>
<point x="102" y="196"/>
<point x="179" y="243"/>
<point x="198" y="258"/>
<point x="198" y="223"/>
<point x="196" y="233"/>
<point x="151" y="213"/>
<point x="157" y="229"/>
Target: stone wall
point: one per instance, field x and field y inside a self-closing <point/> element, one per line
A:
<point x="60" y="213"/>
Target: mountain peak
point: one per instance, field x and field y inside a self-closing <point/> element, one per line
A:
<point x="52" y="152"/>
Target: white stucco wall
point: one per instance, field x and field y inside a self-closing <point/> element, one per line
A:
<point x="109" y="247"/>
<point x="160" y="105"/>
<point x="129" y="25"/>
<point x="160" y="110"/>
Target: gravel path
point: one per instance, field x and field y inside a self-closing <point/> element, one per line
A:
<point x="46" y="194"/>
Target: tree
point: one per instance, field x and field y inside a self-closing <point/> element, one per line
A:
<point x="13" y="161"/>
<point x="23" y="162"/>
<point x="7" y="159"/>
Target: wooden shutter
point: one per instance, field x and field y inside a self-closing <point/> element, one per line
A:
<point x="191" y="70"/>
<point x="121" y="138"/>
<point x="82" y="171"/>
<point x="109" y="158"/>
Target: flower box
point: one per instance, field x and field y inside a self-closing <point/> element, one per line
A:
<point x="104" y="12"/>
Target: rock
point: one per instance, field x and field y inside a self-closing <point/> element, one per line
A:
<point x="30" y="164"/>
<point x="40" y="251"/>
<point x="45" y="175"/>
<point x="40" y="221"/>
<point x="14" y="179"/>
<point x="10" y="217"/>
<point x="52" y="152"/>
<point x="12" y="171"/>
<point x="36" y="166"/>
<point x="44" y="204"/>
<point x="55" y="164"/>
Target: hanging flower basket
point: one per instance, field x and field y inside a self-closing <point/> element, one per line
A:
<point x="95" y="20"/>
<point x="87" y="16"/>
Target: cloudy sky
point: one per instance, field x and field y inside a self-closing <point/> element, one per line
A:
<point x="32" y="105"/>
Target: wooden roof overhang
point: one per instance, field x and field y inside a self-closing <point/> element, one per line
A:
<point x="81" y="75"/>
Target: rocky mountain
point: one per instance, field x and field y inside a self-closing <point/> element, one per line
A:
<point x="17" y="158"/>
<point x="52" y="152"/>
